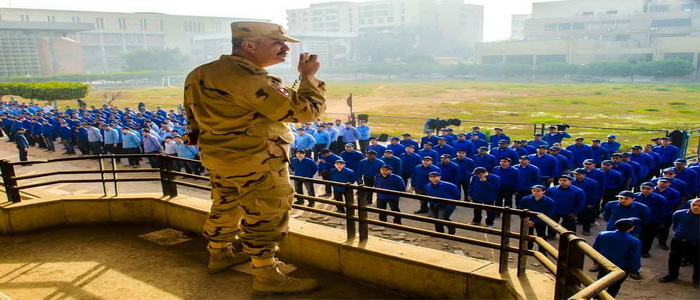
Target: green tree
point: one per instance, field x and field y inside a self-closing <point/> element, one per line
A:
<point x="45" y="90"/>
<point x="667" y="68"/>
<point x="157" y="60"/>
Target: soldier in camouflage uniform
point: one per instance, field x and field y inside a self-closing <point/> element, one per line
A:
<point x="237" y="114"/>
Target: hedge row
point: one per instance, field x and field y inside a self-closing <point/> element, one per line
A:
<point x="45" y="90"/>
<point x="89" y="77"/>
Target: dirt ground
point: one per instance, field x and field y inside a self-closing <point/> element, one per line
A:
<point x="646" y="288"/>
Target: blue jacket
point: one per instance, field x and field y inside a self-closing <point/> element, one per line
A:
<point x="564" y="164"/>
<point x="364" y="132"/>
<point x="345" y="176"/>
<point x="555" y="138"/>
<point x="409" y="142"/>
<point x="567" y="201"/>
<point x="378" y="148"/>
<point x="409" y="162"/>
<point x="599" y="154"/>
<point x="673" y="198"/>
<point x="443" y="189"/>
<point x="645" y="161"/>
<point x="505" y="152"/>
<point x="395" y="164"/>
<point x="478" y="143"/>
<point x="305" y="141"/>
<point x="392" y="182"/>
<point x="545" y="205"/>
<point x="328" y="162"/>
<point x="481" y="135"/>
<point x="47" y="131"/>
<point x="131" y="140"/>
<point x="450" y="172"/>
<point x="65" y="133"/>
<point x="398" y="149"/>
<point x="621" y="248"/>
<point x="111" y="136"/>
<point x="369" y="168"/>
<point x="657" y="205"/>
<point x="611" y="147"/>
<point x="465" y="145"/>
<point x="322" y="138"/>
<point x="668" y="154"/>
<point x="613" y="179"/>
<point x="548" y="165"/>
<point x="484" y="191"/>
<point x="686" y="225"/>
<point x="186" y="151"/>
<point x="510" y="177"/>
<point x="82" y="134"/>
<point x="419" y="178"/>
<point x="21" y="141"/>
<point x="351" y="135"/>
<point x="487" y="161"/>
<point x="425" y="139"/>
<point x="304" y="168"/>
<point x="691" y="179"/>
<point x="493" y="140"/>
<point x="528" y="177"/>
<point x="432" y="153"/>
<point x="447" y="149"/>
<point x="677" y="184"/>
<point x="352" y="159"/>
<point x="591" y="188"/>
<point x="466" y="167"/>
<point x="615" y="211"/>
<point x="579" y="154"/>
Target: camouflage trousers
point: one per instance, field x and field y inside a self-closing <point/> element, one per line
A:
<point x="251" y="209"/>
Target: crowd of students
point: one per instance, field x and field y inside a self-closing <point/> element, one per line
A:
<point x="650" y="184"/>
<point x="104" y="130"/>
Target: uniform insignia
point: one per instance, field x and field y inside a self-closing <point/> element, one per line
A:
<point x="283" y="91"/>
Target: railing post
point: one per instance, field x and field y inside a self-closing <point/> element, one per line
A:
<point x="505" y="241"/>
<point x="561" y="279"/>
<point x="362" y="215"/>
<point x="100" y="163"/>
<point x="522" y="244"/>
<point x="8" y="180"/>
<point x="575" y="262"/>
<point x="166" y="176"/>
<point x="349" y="211"/>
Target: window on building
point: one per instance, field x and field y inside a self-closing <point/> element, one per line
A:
<point x="578" y="26"/>
<point x="122" y="23"/>
<point x="99" y="23"/>
<point x="611" y="12"/>
<point x="51" y="19"/>
<point x="218" y="27"/>
<point x="550" y="27"/>
<point x="143" y="24"/>
<point x="670" y="23"/>
<point x="624" y="37"/>
<point x="564" y="26"/>
<point x="75" y="19"/>
<point x="25" y="18"/>
<point x="161" y="25"/>
<point x="587" y="13"/>
<point x="690" y="6"/>
<point x="660" y="8"/>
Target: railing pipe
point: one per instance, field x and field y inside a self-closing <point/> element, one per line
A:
<point x="505" y="241"/>
<point x="9" y="181"/>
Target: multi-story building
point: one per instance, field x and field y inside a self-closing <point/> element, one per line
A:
<point x="517" y="27"/>
<point x="582" y="31"/>
<point x="110" y="35"/>
<point x="453" y="19"/>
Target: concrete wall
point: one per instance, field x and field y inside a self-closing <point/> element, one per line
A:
<point x="411" y="269"/>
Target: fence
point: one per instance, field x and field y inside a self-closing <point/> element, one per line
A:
<point x="565" y="261"/>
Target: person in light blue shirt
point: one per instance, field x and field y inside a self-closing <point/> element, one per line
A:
<point x="323" y="141"/>
<point x="364" y="130"/>
<point x="151" y="145"/>
<point x="94" y="139"/>
<point x="333" y="135"/>
<point x="189" y="152"/>
<point x="351" y="135"/>
<point x="111" y="140"/>
<point x="303" y="141"/>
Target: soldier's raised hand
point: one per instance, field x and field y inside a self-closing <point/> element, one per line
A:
<point x="308" y="64"/>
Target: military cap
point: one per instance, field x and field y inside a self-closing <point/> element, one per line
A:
<point x="301" y="129"/>
<point x="537" y="186"/>
<point x="589" y="161"/>
<point x="427" y="158"/>
<point x="350" y="145"/>
<point x="647" y="185"/>
<point x="428" y="143"/>
<point x="505" y="158"/>
<point x="655" y="139"/>
<point x="612" y="136"/>
<point x="340" y="161"/>
<point x="625" y="154"/>
<point x="680" y="161"/>
<point x="498" y="128"/>
<point x="479" y="170"/>
<point x="666" y="138"/>
<point x="625" y="194"/>
<point x="434" y="173"/>
<point x="441" y="138"/>
<point x="406" y="134"/>
<point x="625" y="224"/>
<point x="389" y="151"/>
<point x="538" y="134"/>
<point x="395" y="139"/>
<point x="445" y="156"/>
<point x="300" y="151"/>
<point x="669" y="170"/>
<point x="525" y="157"/>
<point x="387" y="167"/>
<point x="595" y="140"/>
<point x="554" y="148"/>
<point x="616" y="155"/>
<point x="542" y="146"/>
<point x="428" y="131"/>
<point x="567" y="177"/>
<point x="252" y="29"/>
<point x="475" y="127"/>
<point x="607" y="162"/>
<point x="503" y="142"/>
<point x="372" y="138"/>
<point x="552" y="127"/>
<point x="637" y="147"/>
<point x="578" y="138"/>
<point x="483" y="148"/>
<point x="372" y="152"/>
<point x="664" y="179"/>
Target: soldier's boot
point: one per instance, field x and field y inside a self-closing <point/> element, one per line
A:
<point x="224" y="258"/>
<point x="271" y="279"/>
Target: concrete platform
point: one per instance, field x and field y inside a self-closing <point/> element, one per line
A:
<point x="112" y="262"/>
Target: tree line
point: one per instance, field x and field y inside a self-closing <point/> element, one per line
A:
<point x="45" y="90"/>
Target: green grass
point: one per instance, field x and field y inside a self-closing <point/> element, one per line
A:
<point x="652" y="106"/>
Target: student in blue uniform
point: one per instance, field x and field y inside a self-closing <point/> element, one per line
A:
<point x="502" y="151"/>
<point x="393" y="161"/>
<point x="599" y="153"/>
<point x="510" y="177"/>
<point x="611" y="146"/>
<point x="438" y="210"/>
<point x="419" y="179"/>
<point x="364" y="134"/>
<point x="529" y="176"/>
<point x="496" y="138"/>
<point x="580" y="152"/>
<point x="343" y="175"/>
<point x="569" y="203"/>
<point x="352" y="157"/>
<point x="548" y="165"/>
<point x="668" y="152"/>
<point x="555" y="136"/>
<point x="428" y="151"/>
<point x="326" y="163"/>
<point x="690" y="177"/>
<point x="376" y="147"/>
<point x="408" y="140"/>
<point x="673" y="198"/>
<point x="409" y="161"/>
<point x="537" y="141"/>
<point x="463" y="144"/>
<point x="476" y="130"/>
<point x="537" y="202"/>
<point x="657" y="205"/>
<point x="477" y="142"/>
<point x="686" y="224"/>
<point x="395" y="146"/>
<point x="591" y="189"/>
<point x="621" y="248"/>
<point x="22" y="144"/>
<point x="645" y="161"/>
<point x="483" y="189"/>
<point x="303" y="166"/>
<point x="388" y="181"/>
<point x="428" y="138"/>
<point x="443" y="148"/>
<point x="484" y="159"/>
<point x="448" y="169"/>
<point x="368" y="168"/>
<point x="466" y="167"/>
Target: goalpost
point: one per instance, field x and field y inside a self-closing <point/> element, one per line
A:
<point x="173" y="81"/>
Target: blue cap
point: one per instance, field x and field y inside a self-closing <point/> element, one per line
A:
<point x="503" y="142"/>
<point x="427" y="158"/>
<point x="389" y="151"/>
<point x="537" y="186"/>
<point x="580" y="171"/>
<point x="612" y="136"/>
<point x="372" y="152"/>
<point x="339" y="161"/>
<point x="647" y="184"/>
<point x="567" y="177"/>
<point x="664" y="179"/>
<point x="625" y="194"/>
<point x="607" y="162"/>
<point x="625" y="224"/>
<point x="395" y="139"/>
<point x="680" y="161"/>
<point x="479" y="170"/>
<point x="434" y="173"/>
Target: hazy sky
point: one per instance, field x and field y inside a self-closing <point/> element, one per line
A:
<point x="496" y="12"/>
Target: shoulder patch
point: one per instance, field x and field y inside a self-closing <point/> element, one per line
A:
<point x="283" y="91"/>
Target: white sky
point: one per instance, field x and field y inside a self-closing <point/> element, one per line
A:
<point x="496" y="12"/>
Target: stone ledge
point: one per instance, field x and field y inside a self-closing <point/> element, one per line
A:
<point x="418" y="271"/>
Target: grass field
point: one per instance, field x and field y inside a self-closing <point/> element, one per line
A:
<point x="657" y="106"/>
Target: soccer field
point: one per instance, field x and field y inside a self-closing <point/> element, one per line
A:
<point x="666" y="106"/>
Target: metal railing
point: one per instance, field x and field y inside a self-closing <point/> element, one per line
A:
<point x="565" y="262"/>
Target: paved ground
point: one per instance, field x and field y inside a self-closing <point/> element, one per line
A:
<point x="114" y="263"/>
<point x="647" y="288"/>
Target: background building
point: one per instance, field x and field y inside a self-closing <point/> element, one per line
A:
<point x="452" y="19"/>
<point x="583" y="31"/>
<point x="105" y="36"/>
